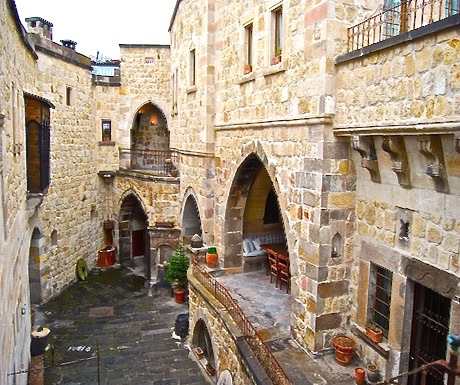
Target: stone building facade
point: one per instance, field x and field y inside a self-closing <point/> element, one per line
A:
<point x="272" y="126"/>
<point x="60" y="198"/>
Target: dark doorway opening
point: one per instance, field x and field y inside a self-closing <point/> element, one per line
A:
<point x="430" y="327"/>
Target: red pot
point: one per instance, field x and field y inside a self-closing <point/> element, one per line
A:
<point x="212" y="259"/>
<point x="360" y="376"/>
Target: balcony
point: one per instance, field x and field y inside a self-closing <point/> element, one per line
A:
<point x="405" y="17"/>
<point x="152" y="162"/>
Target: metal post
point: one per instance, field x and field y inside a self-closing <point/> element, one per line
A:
<point x="454" y="343"/>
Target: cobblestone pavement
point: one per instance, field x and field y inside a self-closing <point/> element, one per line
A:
<point x="131" y="327"/>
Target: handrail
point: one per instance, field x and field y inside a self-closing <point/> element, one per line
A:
<point x="258" y="347"/>
<point x="404" y="17"/>
<point x="451" y="368"/>
<point x="156" y="162"/>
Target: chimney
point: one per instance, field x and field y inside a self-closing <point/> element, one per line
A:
<point x="40" y="27"/>
<point x="69" y="44"/>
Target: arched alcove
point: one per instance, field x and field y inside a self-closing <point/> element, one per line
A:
<point x="253" y="208"/>
<point x="134" y="245"/>
<point x="191" y="220"/>
<point x="37" y="247"/>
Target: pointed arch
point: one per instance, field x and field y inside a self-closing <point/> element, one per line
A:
<point x="36" y="249"/>
<point x="254" y="189"/>
<point x="191" y="217"/>
<point x="134" y="242"/>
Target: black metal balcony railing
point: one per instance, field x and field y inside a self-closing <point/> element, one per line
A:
<point x="258" y="347"/>
<point x="406" y="16"/>
<point x="155" y="162"/>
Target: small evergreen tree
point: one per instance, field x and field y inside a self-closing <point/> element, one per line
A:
<point x="176" y="271"/>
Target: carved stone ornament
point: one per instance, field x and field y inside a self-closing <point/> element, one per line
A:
<point x="430" y="147"/>
<point x="366" y="148"/>
<point x="395" y="146"/>
<point x="435" y="279"/>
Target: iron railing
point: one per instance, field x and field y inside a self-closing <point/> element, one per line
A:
<point x="450" y="367"/>
<point x="272" y="367"/>
<point x="156" y="162"/>
<point x="404" y="17"/>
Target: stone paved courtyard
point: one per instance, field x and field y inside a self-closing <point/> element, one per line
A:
<point x="131" y="327"/>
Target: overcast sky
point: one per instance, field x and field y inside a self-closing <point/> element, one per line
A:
<point x="101" y="25"/>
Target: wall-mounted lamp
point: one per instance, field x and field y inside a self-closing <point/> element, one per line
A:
<point x="107" y="175"/>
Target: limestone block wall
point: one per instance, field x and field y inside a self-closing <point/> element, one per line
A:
<point x="302" y="85"/>
<point x="74" y="183"/>
<point x="159" y="198"/>
<point x="145" y="77"/>
<point x="407" y="84"/>
<point x="409" y="115"/>
<point x="17" y="74"/>
<point x="106" y="106"/>
<point x="283" y="114"/>
<point x="193" y="31"/>
<point x="316" y="201"/>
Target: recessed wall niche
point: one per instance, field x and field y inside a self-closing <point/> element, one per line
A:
<point x="403" y="227"/>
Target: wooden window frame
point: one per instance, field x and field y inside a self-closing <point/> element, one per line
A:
<point x="106" y="131"/>
<point x="192" y="74"/>
<point x="277" y="31"/>
<point x="248" y="47"/>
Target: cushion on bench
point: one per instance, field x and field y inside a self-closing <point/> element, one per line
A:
<point x="252" y="242"/>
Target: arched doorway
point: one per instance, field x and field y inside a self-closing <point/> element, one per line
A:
<point x="201" y="338"/>
<point x="191" y="220"/>
<point x="134" y="241"/>
<point x="36" y="249"/>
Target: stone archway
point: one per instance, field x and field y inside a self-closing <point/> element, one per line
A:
<point x="134" y="244"/>
<point x="150" y="129"/>
<point x="37" y="248"/>
<point x="253" y="208"/>
<point x="191" y="219"/>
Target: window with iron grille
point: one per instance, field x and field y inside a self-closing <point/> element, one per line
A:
<point x="381" y="282"/>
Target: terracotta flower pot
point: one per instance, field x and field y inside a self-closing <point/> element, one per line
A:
<point x="210" y="369"/>
<point x="360" y="376"/>
<point x="199" y="352"/>
<point x="344" y="347"/>
<point x="179" y="295"/>
<point x="212" y="257"/>
<point x="374" y="333"/>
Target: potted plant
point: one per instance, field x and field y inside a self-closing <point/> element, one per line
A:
<point x="176" y="273"/>
<point x="210" y="368"/>
<point x="344" y="347"/>
<point x="277" y="58"/>
<point x="247" y="69"/>
<point x="211" y="257"/>
<point x="374" y="332"/>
